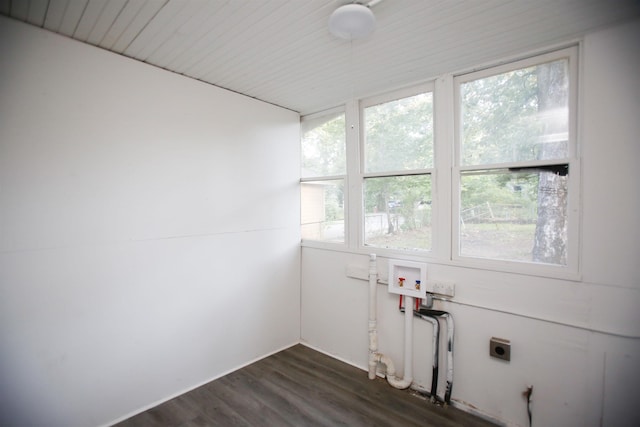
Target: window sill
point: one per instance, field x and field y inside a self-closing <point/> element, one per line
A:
<point x="511" y="267"/>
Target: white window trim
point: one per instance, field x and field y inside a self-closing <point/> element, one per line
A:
<point x="322" y="243"/>
<point x="362" y="174"/>
<point x="446" y="171"/>
<point x="355" y="226"/>
<point x="571" y="269"/>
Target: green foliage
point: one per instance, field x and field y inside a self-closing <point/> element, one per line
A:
<point x="399" y="134"/>
<point x="508" y="117"/>
<point x="498" y="188"/>
<point x="323" y="148"/>
<point x="403" y="204"/>
<point x="517" y="191"/>
<point x="334" y="201"/>
<point x="513" y="117"/>
<point x="497" y="113"/>
<point x="399" y="137"/>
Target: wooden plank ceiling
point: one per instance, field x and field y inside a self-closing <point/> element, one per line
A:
<point x="281" y="51"/>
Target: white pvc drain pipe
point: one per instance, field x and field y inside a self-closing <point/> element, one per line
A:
<point x="374" y="356"/>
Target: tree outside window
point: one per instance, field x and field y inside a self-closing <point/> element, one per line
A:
<point x="514" y="150"/>
<point x="398" y="157"/>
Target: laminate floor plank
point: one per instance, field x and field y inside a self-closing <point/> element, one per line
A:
<point x="380" y="393"/>
<point x="309" y="397"/>
<point x="299" y="403"/>
<point x="288" y="413"/>
<point x="301" y="387"/>
<point x="372" y="398"/>
<point x="338" y="408"/>
<point x="344" y="400"/>
<point x="248" y="404"/>
<point x="214" y="409"/>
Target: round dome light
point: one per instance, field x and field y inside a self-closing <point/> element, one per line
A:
<point x="352" y="21"/>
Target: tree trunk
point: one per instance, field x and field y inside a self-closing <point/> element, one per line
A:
<point x="550" y="243"/>
<point x="387" y="211"/>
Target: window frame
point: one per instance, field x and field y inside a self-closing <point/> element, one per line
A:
<point x="396" y="95"/>
<point x="446" y="169"/>
<point x="571" y="269"/>
<point x="320" y="178"/>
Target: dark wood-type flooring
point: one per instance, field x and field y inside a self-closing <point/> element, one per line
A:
<point x="301" y="387"/>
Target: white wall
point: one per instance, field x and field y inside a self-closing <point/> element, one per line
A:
<point x="149" y="231"/>
<point x="576" y="342"/>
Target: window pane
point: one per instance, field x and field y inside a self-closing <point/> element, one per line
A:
<point x="323" y="146"/>
<point x="322" y="210"/>
<point x="399" y="134"/>
<point x="515" y="216"/>
<point x="516" y="116"/>
<point x="398" y="212"/>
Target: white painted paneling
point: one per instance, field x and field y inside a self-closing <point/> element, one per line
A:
<point x="118" y="27"/>
<point x="20" y="10"/>
<point x="281" y="51"/>
<point x="232" y="38"/>
<point x="267" y="54"/>
<point x="149" y="231"/>
<point x="105" y="21"/>
<point x="162" y="27"/>
<point x="610" y="148"/>
<point x="326" y="289"/>
<point x="73" y="13"/>
<point x="208" y="42"/>
<point x="90" y="17"/>
<point x="134" y="21"/>
<point x="55" y="14"/>
<point x="37" y="12"/>
<point x="622" y="375"/>
<point x="185" y="36"/>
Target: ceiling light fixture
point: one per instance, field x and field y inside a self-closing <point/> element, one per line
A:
<point x="352" y="21"/>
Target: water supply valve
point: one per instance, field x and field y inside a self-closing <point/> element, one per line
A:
<point x="407" y="278"/>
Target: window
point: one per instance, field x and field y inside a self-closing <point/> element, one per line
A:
<point x="323" y="177"/>
<point x="515" y="161"/>
<point x="398" y="162"/>
<point x="495" y="187"/>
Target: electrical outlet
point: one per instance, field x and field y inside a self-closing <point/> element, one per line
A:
<point x="500" y="348"/>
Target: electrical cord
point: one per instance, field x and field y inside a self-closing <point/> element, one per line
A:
<point x="527" y="394"/>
